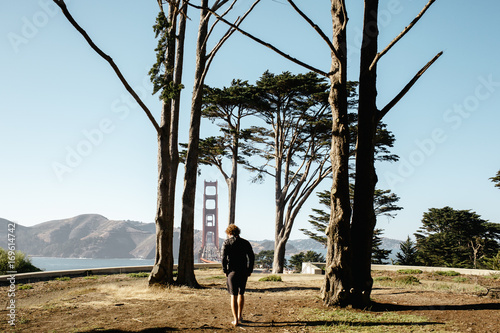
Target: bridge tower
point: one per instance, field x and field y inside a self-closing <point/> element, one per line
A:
<point x="210" y="242"/>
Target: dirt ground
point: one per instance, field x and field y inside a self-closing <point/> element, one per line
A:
<point x="123" y="303"/>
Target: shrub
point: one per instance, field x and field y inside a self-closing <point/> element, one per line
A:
<point x="25" y="287"/>
<point x="447" y="273"/>
<point x="410" y="271"/>
<point x="22" y="263"/>
<point x="382" y="278"/>
<point x="139" y="275"/>
<point x="408" y="280"/>
<point x="460" y="279"/>
<point x="63" y="278"/>
<point x="274" y="278"/>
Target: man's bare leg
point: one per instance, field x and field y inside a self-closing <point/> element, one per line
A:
<point x="234" y="309"/>
<point x="241" y="303"/>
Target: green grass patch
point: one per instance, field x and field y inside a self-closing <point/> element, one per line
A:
<point x="447" y="273"/>
<point x="345" y="320"/>
<point x="138" y="275"/>
<point x="91" y="277"/>
<point x="63" y="278"/>
<point x="25" y="287"/>
<point x="410" y="271"/>
<point x="460" y="279"/>
<point x="273" y="278"/>
<point x="407" y="280"/>
<point x="382" y="279"/>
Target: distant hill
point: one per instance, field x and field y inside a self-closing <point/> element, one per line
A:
<point x="94" y="236"/>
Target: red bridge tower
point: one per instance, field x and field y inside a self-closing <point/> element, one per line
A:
<point x="210" y="242"/>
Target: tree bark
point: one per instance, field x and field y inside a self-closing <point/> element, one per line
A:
<point x="337" y="283"/>
<point x="232" y="182"/>
<point x="186" y="256"/>
<point x="162" y="271"/>
<point x="364" y="219"/>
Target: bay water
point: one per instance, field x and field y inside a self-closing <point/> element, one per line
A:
<point x="58" y="264"/>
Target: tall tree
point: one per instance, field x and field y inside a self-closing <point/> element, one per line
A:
<point x="338" y="278"/>
<point x="203" y="60"/>
<point x="166" y="75"/>
<point x="228" y="107"/>
<point x="496" y="179"/>
<point x="295" y="149"/>
<point x="407" y="254"/>
<point x="379" y="255"/>
<point x="455" y="238"/>
<point x="363" y="215"/>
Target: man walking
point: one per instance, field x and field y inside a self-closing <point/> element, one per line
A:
<point x="237" y="263"/>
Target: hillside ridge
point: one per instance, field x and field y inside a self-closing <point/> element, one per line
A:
<point x="95" y="236"/>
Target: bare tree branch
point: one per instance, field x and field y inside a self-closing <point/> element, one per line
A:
<point x="403" y="92"/>
<point x="315" y="27"/>
<point x="228" y="34"/>
<point x="284" y="55"/>
<point x="70" y="18"/>
<point x="401" y="35"/>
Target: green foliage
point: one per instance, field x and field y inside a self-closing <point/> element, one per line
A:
<point x="460" y="279"/>
<point x="447" y="273"/>
<point x="410" y="271"/>
<point x="271" y="278"/>
<point x="63" y="278"/>
<point x="496" y="179"/>
<point x="138" y="275"/>
<point x="347" y="321"/>
<point x="265" y="258"/>
<point x="407" y="280"/>
<point x="379" y="255"/>
<point x="384" y="204"/>
<point x="492" y="262"/>
<point x="161" y="74"/>
<point x="382" y="278"/>
<point x="22" y="263"/>
<point x="309" y="256"/>
<point x="455" y="238"/>
<point x="407" y="254"/>
<point x="25" y="287"/>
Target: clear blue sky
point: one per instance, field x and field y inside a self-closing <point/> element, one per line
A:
<point x="61" y="105"/>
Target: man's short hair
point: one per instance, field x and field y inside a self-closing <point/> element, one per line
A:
<point x="233" y="230"/>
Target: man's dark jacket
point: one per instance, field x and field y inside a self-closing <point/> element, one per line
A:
<point x="237" y="256"/>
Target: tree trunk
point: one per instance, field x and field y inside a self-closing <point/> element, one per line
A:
<point x="279" y="244"/>
<point x="232" y="182"/>
<point x="162" y="271"/>
<point x="174" y="120"/>
<point x="186" y="256"/>
<point x="231" y="186"/>
<point x="337" y="283"/>
<point x="279" y="255"/>
<point x="364" y="218"/>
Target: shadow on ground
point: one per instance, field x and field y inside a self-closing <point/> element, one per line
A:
<point x="382" y="307"/>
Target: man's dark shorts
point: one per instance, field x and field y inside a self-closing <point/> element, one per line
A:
<point x="236" y="283"/>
